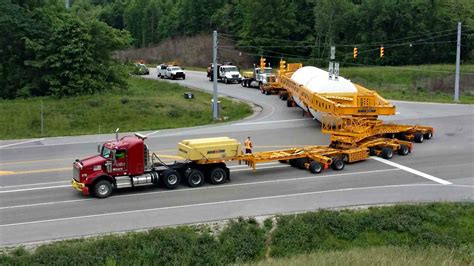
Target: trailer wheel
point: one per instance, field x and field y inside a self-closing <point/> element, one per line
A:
<point x="337" y="164"/>
<point x="404" y="150"/>
<point x="315" y="167"/>
<point x="372" y="151"/>
<point x="218" y="176"/>
<point x="419" y="138"/>
<point x="171" y="178"/>
<point x="195" y="178"/>
<point x="387" y="153"/>
<point x="102" y="189"/>
<point x="300" y="163"/>
<point x="292" y="162"/>
<point x="289" y="103"/>
<point x="428" y="135"/>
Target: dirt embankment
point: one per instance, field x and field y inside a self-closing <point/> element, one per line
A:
<point x="195" y="51"/>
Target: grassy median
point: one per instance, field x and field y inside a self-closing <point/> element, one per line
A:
<point x="146" y="105"/>
<point x="436" y="233"/>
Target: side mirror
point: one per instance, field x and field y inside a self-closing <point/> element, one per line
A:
<point x="99" y="148"/>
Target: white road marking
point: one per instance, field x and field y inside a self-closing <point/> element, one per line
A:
<point x="18" y="143"/>
<point x="207" y="187"/>
<point x="221" y="202"/>
<point x="35" y="184"/>
<point x="270" y="122"/>
<point x="413" y="171"/>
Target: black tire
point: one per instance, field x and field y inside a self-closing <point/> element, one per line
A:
<point x="428" y="135"/>
<point x="173" y="77"/>
<point x="195" y="178"/>
<point x="184" y="77"/>
<point x="218" y="176"/>
<point x="226" y="81"/>
<point x="102" y="189"/>
<point x="419" y="138"/>
<point x="387" y="153"/>
<point x="267" y="92"/>
<point x="162" y="77"/>
<point x="372" y="151"/>
<point x="289" y="103"/>
<point x="284" y="97"/>
<point x="315" y="167"/>
<point x="292" y="162"/>
<point x="300" y="163"/>
<point x="403" y="150"/>
<point x="159" y="75"/>
<point x="171" y="178"/>
<point x="337" y="164"/>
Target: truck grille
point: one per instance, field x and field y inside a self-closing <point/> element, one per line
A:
<point x="75" y="173"/>
<point x="235" y="76"/>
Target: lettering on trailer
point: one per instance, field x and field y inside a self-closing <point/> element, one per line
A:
<point x="216" y="151"/>
<point x="366" y="111"/>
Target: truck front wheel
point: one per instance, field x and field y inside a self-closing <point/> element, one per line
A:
<point x="171" y="178"/>
<point x="102" y="189"/>
<point x="218" y="176"/>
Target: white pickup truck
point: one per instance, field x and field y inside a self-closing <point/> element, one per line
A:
<point x="170" y="72"/>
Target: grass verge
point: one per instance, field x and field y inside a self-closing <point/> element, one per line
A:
<point x="424" y="83"/>
<point x="395" y="234"/>
<point x="146" y="105"/>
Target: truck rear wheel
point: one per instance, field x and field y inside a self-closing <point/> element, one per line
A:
<point x="315" y="167"/>
<point x="195" y="178"/>
<point x="337" y="164"/>
<point x="387" y="153"/>
<point x="218" y="176"/>
<point x="103" y="189"/>
<point x="171" y="178"/>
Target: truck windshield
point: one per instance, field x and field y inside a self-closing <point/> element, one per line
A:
<point x="105" y="152"/>
<point x="268" y="70"/>
<point x="175" y="69"/>
<point x="231" y="69"/>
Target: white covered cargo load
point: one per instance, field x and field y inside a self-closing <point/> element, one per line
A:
<point x="317" y="81"/>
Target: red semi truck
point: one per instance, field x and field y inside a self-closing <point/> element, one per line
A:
<point x="127" y="162"/>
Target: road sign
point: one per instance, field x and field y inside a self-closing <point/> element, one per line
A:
<point x="331" y="69"/>
<point x="333" y="52"/>
<point x="336" y="71"/>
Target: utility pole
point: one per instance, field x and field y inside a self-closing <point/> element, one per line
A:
<point x="458" y="64"/>
<point x="67" y="4"/>
<point x="215" y="110"/>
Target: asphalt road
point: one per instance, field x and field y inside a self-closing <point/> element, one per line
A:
<point x="37" y="203"/>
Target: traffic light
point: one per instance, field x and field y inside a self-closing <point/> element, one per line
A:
<point x="381" y="51"/>
<point x="282" y="64"/>
<point x="355" y="52"/>
<point x="262" y="62"/>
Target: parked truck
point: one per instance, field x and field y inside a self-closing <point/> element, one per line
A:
<point x="226" y="73"/>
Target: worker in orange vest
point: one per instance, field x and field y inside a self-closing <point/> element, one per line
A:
<point x="248" y="145"/>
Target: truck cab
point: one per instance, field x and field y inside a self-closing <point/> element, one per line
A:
<point x="99" y="174"/>
<point x="229" y="74"/>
